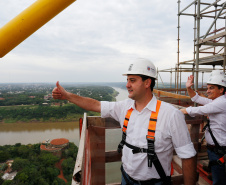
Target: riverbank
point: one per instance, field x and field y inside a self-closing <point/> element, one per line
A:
<point x="31" y="114"/>
<point x="52" y="111"/>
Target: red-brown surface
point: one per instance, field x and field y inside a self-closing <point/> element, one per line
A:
<point x="60" y="141"/>
<point x="61" y="175"/>
<point x="43" y="147"/>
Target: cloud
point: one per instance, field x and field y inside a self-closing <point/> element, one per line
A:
<point x="94" y="41"/>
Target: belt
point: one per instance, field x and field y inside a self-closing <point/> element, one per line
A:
<point x="213" y="147"/>
<point x="220" y="151"/>
<point x="147" y="182"/>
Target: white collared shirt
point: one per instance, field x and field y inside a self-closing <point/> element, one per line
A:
<point x="216" y="110"/>
<point x="171" y="133"/>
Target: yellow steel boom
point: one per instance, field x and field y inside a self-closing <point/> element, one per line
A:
<point x="28" y="21"/>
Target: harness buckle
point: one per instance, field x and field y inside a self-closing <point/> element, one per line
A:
<point x="205" y="127"/>
<point x="150" y="138"/>
<point x="219" y="162"/>
<point x="120" y="146"/>
<point x="138" y="150"/>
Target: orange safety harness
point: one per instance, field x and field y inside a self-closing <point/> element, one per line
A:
<point x="218" y="149"/>
<point x="152" y="157"/>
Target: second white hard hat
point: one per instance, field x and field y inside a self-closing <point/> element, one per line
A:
<point x="217" y="72"/>
<point x="142" y="67"/>
<point x="217" y="77"/>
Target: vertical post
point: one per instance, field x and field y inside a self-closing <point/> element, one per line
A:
<point x="180" y="80"/>
<point x="175" y="85"/>
<point x="202" y="78"/>
<point x="157" y="78"/>
<point x="197" y="46"/>
<point x="171" y="78"/>
<point x="80" y="126"/>
<point x="178" y="50"/>
<point x="224" y="62"/>
<point x="195" y="31"/>
<point x="194" y="132"/>
<point x="97" y="150"/>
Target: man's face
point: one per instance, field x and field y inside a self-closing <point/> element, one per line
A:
<point x="136" y="87"/>
<point x="213" y="91"/>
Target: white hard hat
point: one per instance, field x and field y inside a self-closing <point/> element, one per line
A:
<point x="216" y="72"/>
<point x="142" y="67"/>
<point x="217" y="80"/>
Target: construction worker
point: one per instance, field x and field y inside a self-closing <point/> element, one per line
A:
<point x="151" y="129"/>
<point x="214" y="106"/>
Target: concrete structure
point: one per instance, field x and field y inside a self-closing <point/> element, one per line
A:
<point x="56" y="146"/>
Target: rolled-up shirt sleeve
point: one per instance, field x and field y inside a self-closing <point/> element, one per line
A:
<point x="111" y="109"/>
<point x="210" y="108"/>
<point x="200" y="100"/>
<point x="186" y="151"/>
<point x="181" y="137"/>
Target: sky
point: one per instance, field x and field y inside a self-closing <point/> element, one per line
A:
<point x="95" y="41"/>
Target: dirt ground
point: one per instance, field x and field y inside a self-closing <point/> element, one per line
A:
<point x="61" y="175"/>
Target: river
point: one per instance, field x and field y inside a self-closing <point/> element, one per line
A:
<point x="36" y="132"/>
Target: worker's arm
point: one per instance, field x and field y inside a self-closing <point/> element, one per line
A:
<point x="189" y="167"/>
<point x="189" y="84"/>
<point x="84" y="102"/>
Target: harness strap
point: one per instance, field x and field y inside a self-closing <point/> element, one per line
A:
<point x="151" y="135"/>
<point x="153" y="121"/>
<point x="154" y="158"/>
<point x="126" y="121"/>
<point x="218" y="149"/>
<point x="220" y="161"/>
<point x="135" y="149"/>
<point x="211" y="133"/>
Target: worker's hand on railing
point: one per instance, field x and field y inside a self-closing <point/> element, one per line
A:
<point x="184" y="111"/>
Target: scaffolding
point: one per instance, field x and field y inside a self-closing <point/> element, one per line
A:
<point x="209" y="49"/>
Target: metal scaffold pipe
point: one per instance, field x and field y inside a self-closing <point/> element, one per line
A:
<point x="29" y="21"/>
<point x="197" y="46"/>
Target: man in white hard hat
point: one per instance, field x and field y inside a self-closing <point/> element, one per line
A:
<point x="214" y="106"/>
<point x="151" y="129"/>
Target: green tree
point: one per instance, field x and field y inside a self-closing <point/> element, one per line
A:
<point x="4" y="155"/>
<point x="60" y="181"/>
<point x="68" y="167"/>
<point x="51" y="173"/>
<point x="42" y="181"/>
<point x="47" y="159"/>
<point x="71" y="151"/>
<point x="22" y="177"/>
<point x="23" y="151"/>
<point x="19" y="164"/>
<point x="7" y="182"/>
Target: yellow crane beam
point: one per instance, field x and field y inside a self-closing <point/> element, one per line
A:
<point x="29" y="21"/>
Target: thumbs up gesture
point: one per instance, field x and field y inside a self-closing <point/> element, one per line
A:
<point x="59" y="92"/>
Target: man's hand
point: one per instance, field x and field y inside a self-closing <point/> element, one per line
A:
<point x="184" y="111"/>
<point x="59" y="92"/>
<point x="189" y="82"/>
